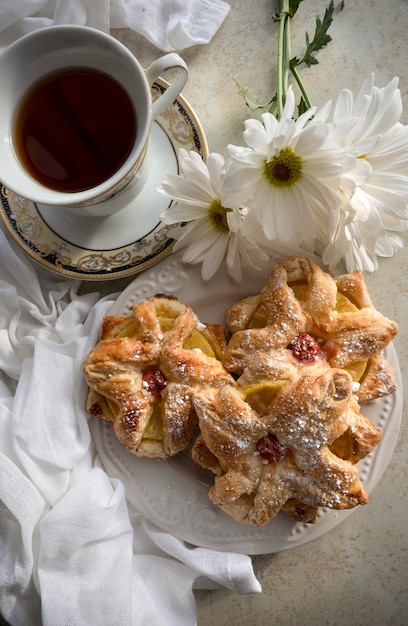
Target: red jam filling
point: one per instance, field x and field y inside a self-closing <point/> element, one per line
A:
<point x="154" y="381"/>
<point x="306" y="348"/>
<point x="270" y="448"/>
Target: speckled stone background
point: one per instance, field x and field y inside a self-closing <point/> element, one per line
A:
<point x="358" y="573"/>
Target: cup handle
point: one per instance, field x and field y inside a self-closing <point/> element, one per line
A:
<point x="171" y="61"/>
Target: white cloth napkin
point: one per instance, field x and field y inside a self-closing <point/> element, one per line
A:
<point x="72" y="551"/>
<point x="168" y="24"/>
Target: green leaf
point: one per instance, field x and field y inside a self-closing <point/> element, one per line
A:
<point x="273" y="104"/>
<point x="293" y="6"/>
<point x="254" y="105"/>
<point x="302" y="106"/>
<point x="320" y="39"/>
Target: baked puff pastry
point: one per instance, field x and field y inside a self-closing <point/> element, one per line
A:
<point x="300" y="297"/>
<point x="299" y="454"/>
<point x="145" y="370"/>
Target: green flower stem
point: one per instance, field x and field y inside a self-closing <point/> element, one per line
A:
<point x="303" y="91"/>
<point x="284" y="65"/>
<point x="283" y="56"/>
<point x="287" y="47"/>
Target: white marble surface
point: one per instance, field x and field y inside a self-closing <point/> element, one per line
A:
<point x="358" y="573"/>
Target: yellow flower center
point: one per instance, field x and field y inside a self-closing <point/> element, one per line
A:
<point x="284" y="170"/>
<point x="217" y="214"/>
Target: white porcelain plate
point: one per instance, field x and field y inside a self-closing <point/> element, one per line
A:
<point x="119" y="245"/>
<point x="173" y="493"/>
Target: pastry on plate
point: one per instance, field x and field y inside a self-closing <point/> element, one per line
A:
<point x="291" y="445"/>
<point x="337" y="311"/>
<point x="145" y="370"/>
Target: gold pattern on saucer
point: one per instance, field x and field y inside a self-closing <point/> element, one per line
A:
<point x="25" y="224"/>
<point x="178" y="122"/>
<point x="29" y="226"/>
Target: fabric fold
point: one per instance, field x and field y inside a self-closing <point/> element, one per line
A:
<point x="85" y="560"/>
<point x="210" y="563"/>
<point x="167" y="24"/>
<point x="21" y="509"/>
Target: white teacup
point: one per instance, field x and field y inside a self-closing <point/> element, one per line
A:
<point x="57" y="50"/>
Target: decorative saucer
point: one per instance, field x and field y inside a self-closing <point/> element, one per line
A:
<point x="118" y="245"/>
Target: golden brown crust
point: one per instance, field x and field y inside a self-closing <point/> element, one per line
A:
<point x="300" y="297"/>
<point x="287" y="434"/>
<point x="378" y="379"/>
<point x="310" y="407"/>
<point x="265" y="321"/>
<point x="308" y="415"/>
<point x="145" y="370"/>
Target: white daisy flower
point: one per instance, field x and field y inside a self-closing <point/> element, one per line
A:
<point x="288" y="174"/>
<point x="357" y="243"/>
<point x="375" y="191"/>
<point x="209" y="232"/>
